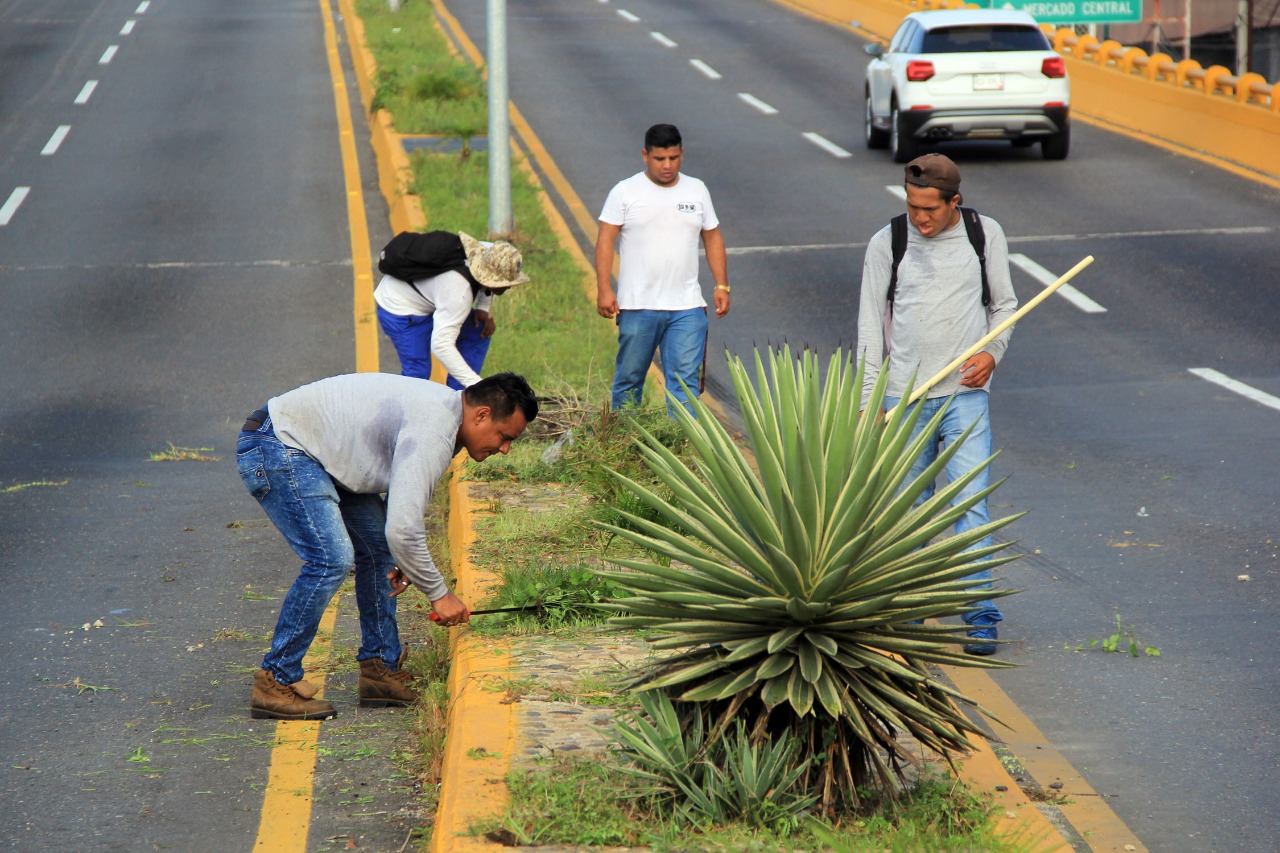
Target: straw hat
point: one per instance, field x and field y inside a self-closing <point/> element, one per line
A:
<point x="494" y="265"/>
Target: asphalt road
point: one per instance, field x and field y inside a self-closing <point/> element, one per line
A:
<point x="182" y="254"/>
<point x="1151" y="490"/>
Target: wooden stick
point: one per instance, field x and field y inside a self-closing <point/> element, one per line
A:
<point x="998" y="330"/>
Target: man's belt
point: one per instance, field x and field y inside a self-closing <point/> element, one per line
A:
<point x="255" y="420"/>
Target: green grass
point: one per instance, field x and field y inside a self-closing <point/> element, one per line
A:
<point x="594" y="802"/>
<point x="549" y="332"/>
<point x="418" y="80"/>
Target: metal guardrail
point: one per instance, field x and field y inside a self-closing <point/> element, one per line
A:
<point x="1215" y="81"/>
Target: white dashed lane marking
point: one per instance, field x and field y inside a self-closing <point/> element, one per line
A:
<point x="627" y="16"/>
<point x="1236" y="386"/>
<point x="10" y="207"/>
<point x="760" y="105"/>
<point x="706" y="69"/>
<point x="661" y="39"/>
<point x="51" y="147"/>
<point x="108" y="55"/>
<point x="826" y="145"/>
<point x="1067" y="292"/>
<point x="86" y="92"/>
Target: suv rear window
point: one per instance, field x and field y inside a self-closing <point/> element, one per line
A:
<point x="971" y="39"/>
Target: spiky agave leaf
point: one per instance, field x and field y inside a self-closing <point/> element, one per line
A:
<point x="794" y="579"/>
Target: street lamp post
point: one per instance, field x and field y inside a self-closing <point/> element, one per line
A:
<point x="499" y="123"/>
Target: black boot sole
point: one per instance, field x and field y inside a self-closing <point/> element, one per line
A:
<point x="383" y="703"/>
<point x="259" y="714"/>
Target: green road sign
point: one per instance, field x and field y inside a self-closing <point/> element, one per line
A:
<point x="1076" y="11"/>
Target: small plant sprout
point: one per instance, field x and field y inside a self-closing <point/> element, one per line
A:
<point x="1124" y="639"/>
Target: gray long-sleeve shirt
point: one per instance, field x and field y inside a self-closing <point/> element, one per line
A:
<point x="937" y="308"/>
<point x="380" y="433"/>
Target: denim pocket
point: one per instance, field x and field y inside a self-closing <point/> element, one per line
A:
<point x="253" y="470"/>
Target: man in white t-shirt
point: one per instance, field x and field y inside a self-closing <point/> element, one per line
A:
<point x="657" y="217"/>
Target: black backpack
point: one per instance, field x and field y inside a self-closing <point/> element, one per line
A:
<point x="977" y="238"/>
<point x="411" y="256"/>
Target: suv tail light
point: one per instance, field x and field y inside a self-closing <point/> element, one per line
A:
<point x="1053" y="66"/>
<point x="918" y="70"/>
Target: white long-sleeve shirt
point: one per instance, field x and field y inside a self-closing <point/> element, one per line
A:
<point x="376" y="433"/>
<point x="937" y="308"/>
<point x="447" y="299"/>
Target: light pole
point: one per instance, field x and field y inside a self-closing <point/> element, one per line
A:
<point x="1244" y="32"/>
<point x="499" y="123"/>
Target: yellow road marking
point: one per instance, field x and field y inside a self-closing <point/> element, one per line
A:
<point x="366" y="319"/>
<point x="286" y="805"/>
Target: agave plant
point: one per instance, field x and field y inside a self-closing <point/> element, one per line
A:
<point x="791" y="591"/>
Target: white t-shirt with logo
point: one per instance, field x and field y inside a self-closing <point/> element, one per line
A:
<point x="658" y="244"/>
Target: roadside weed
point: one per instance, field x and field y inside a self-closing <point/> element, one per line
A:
<point x="1123" y="639"/>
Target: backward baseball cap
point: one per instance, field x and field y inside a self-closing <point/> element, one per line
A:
<point x="934" y="170"/>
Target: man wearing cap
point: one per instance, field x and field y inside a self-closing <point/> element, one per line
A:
<point x="448" y="315"/>
<point x="657" y="217"/>
<point x="936" y="313"/>
<point x="318" y="460"/>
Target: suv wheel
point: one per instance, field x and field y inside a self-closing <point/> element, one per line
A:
<point x="876" y="138"/>
<point x="1056" y="147"/>
<point x="900" y="141"/>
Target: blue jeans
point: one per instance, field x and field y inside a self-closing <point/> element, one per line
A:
<point x="965" y="410"/>
<point x="331" y="530"/>
<point x="680" y="336"/>
<point x="411" y="336"/>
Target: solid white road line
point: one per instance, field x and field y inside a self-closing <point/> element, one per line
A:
<point x="826" y="144"/>
<point x="627" y="16"/>
<point x="1247" y="391"/>
<point x="661" y="39"/>
<point x="127" y="28"/>
<point x="900" y="192"/>
<point x="108" y="55"/>
<point x="1169" y="232"/>
<point x="786" y="250"/>
<point x="51" y="147"/>
<point x="757" y="103"/>
<point x="706" y="69"/>
<point x="86" y="92"/>
<point x="10" y="207"/>
<point x="1047" y="278"/>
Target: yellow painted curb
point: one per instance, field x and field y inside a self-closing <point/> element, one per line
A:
<point x="481" y="735"/>
<point x="1083" y="807"/>
<point x="394" y="174"/>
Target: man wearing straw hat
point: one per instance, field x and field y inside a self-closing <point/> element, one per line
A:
<point x="443" y="309"/>
<point x="938" y="307"/>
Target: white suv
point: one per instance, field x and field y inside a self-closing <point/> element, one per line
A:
<point x="967" y="74"/>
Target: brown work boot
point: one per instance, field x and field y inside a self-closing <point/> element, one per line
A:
<point x="275" y="701"/>
<point x="380" y="685"/>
